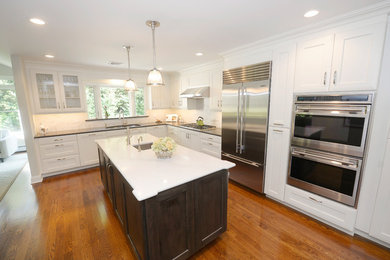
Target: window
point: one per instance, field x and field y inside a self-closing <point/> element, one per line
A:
<point x="9" y="110"/>
<point x="112" y="102"/>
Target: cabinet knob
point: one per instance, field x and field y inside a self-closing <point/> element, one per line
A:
<point x="325" y="78"/>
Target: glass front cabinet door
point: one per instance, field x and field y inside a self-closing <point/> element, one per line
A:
<point x="56" y="92"/>
<point x="71" y="92"/>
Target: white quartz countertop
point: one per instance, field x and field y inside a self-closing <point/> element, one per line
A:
<point x="148" y="175"/>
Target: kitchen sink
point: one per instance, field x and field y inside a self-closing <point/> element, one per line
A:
<point x="116" y="126"/>
<point x="146" y="146"/>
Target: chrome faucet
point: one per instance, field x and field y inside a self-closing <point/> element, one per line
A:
<point x="128" y="136"/>
<point x="139" y="143"/>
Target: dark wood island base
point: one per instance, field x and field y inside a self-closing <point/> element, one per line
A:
<point x="174" y="224"/>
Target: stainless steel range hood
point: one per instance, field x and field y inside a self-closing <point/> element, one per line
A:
<point x="200" y="92"/>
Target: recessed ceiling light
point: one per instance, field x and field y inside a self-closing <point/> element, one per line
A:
<point x="199" y="54"/>
<point x="311" y="13"/>
<point x="37" y="21"/>
<point x="49" y="56"/>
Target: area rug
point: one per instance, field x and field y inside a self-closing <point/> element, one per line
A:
<point x="9" y="170"/>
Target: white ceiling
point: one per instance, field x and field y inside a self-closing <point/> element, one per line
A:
<point x="92" y="31"/>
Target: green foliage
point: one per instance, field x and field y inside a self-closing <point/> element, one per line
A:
<point x="90" y="102"/>
<point x="114" y="101"/>
<point x="139" y="102"/>
<point x="9" y="111"/>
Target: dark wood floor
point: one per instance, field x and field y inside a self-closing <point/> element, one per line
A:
<point x="70" y="217"/>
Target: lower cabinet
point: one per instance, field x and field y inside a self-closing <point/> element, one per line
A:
<point x="88" y="147"/>
<point x="174" y="224"/>
<point x="327" y="210"/>
<point x="380" y="224"/>
<point x="277" y="162"/>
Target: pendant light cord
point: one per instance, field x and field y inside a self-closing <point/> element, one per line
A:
<point x="128" y="58"/>
<point x="154" y="45"/>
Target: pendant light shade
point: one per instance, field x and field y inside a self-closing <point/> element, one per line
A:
<point x="155" y="77"/>
<point x="130" y="84"/>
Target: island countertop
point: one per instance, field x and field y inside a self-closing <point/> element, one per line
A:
<point x="148" y="175"/>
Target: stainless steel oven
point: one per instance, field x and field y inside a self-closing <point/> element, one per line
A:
<point x="326" y="174"/>
<point x="332" y="123"/>
<point x="327" y="147"/>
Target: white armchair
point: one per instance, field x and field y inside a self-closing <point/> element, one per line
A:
<point x="8" y="144"/>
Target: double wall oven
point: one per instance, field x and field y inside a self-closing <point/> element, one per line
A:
<point x="328" y="142"/>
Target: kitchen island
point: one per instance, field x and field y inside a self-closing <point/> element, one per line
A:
<point x="168" y="208"/>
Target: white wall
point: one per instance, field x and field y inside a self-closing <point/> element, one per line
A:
<point x="22" y="94"/>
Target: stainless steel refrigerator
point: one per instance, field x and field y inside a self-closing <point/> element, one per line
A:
<point x="245" y="99"/>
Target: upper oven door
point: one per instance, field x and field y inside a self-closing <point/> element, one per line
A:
<point x="333" y="128"/>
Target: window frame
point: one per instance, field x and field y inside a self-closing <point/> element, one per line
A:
<point x="98" y="103"/>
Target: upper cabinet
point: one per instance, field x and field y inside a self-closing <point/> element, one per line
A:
<point x="348" y="60"/>
<point x="56" y="92"/>
<point x="313" y="66"/>
<point x="281" y="99"/>
<point x="202" y="76"/>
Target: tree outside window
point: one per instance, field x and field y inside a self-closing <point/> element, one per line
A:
<point x="9" y="111"/>
<point x="112" y="102"/>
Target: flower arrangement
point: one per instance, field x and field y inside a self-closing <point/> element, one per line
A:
<point x="164" y="147"/>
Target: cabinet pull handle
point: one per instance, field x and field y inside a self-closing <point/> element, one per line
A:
<point x="325" y="78"/>
<point x="278" y="124"/>
<point x="334" y="77"/>
<point x="313" y="199"/>
<point x="56" y="140"/>
<point x="57" y="145"/>
<point x="278" y="131"/>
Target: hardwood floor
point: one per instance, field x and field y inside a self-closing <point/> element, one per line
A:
<point x="70" y="217"/>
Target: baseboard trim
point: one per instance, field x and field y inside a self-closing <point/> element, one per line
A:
<point x="372" y="239"/>
<point x="44" y="175"/>
<point x="36" y="179"/>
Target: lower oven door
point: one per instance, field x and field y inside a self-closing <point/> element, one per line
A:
<point x="332" y="176"/>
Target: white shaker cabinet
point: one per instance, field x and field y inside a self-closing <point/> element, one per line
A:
<point x="158" y="131"/>
<point x="216" y="89"/>
<point x="58" y="153"/>
<point x="88" y="147"/>
<point x="357" y="58"/>
<point x="348" y="60"/>
<point x="380" y="225"/>
<point x="281" y="99"/>
<point x="313" y="64"/>
<point x="277" y="162"/>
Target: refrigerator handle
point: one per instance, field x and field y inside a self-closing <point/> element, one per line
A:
<point x="238" y="120"/>
<point x="243" y="108"/>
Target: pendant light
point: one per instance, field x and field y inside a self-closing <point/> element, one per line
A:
<point x="130" y="84"/>
<point x="155" y="77"/>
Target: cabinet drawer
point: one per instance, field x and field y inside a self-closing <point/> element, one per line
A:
<point x="60" y="163"/>
<point x="58" y="149"/>
<point x="210" y="138"/>
<point x="335" y="213"/>
<point x="211" y="148"/>
<point x="57" y="139"/>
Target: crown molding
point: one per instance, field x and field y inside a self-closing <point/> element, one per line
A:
<point x="372" y="11"/>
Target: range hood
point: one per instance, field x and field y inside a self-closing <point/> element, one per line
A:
<point x="199" y="92"/>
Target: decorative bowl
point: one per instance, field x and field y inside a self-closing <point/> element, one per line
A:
<point x="164" y="154"/>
